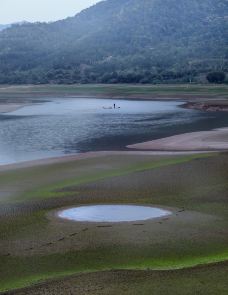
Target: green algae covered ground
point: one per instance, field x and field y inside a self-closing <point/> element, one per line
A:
<point x="210" y="280"/>
<point x="36" y="245"/>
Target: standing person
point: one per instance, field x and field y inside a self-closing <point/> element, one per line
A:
<point x="114" y="105"/>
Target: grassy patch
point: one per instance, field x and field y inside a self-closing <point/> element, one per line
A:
<point x="54" y="190"/>
<point x="21" y="272"/>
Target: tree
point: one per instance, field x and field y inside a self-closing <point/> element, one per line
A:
<point x="216" y="77"/>
<point x="169" y="41"/>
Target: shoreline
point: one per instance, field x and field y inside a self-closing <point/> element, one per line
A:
<point x="11" y="107"/>
<point x="207" y="106"/>
<point x="92" y="155"/>
<point x="186" y="92"/>
<point x="214" y="140"/>
<point x="193" y="96"/>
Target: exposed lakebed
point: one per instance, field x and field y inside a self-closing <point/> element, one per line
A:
<point x="112" y="213"/>
<point x="68" y="126"/>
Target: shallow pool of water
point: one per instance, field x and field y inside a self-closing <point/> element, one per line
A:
<point x="112" y="213"/>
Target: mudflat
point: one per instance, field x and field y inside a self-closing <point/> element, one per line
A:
<point x="10" y="107"/>
<point x="209" y="106"/>
<point x="124" y="91"/>
<point x="38" y="246"/>
<point x="213" y="140"/>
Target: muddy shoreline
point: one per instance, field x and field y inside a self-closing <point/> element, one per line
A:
<point x="214" y="140"/>
<point x="11" y="107"/>
<point x="212" y="106"/>
<point x="91" y="155"/>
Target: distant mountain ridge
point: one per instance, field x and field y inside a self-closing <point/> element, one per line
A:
<point x="3" y="27"/>
<point x="125" y="41"/>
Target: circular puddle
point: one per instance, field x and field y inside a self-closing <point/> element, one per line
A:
<point x="112" y="213"/>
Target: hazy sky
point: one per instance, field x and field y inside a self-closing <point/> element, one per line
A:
<point x="40" y="10"/>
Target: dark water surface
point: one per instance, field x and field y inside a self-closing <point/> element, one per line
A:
<point x="65" y="126"/>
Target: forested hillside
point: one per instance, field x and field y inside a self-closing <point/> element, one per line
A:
<point x="3" y="27"/>
<point x="120" y="41"/>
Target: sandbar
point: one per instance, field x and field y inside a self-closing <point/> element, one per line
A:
<point x="214" y="140"/>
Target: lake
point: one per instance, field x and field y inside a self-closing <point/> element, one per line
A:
<point x="67" y="126"/>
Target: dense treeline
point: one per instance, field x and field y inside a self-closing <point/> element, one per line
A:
<point x="120" y="41"/>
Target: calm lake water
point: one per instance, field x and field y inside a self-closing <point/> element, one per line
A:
<point x="66" y="126"/>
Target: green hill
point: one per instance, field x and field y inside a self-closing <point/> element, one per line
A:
<point x="120" y="41"/>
